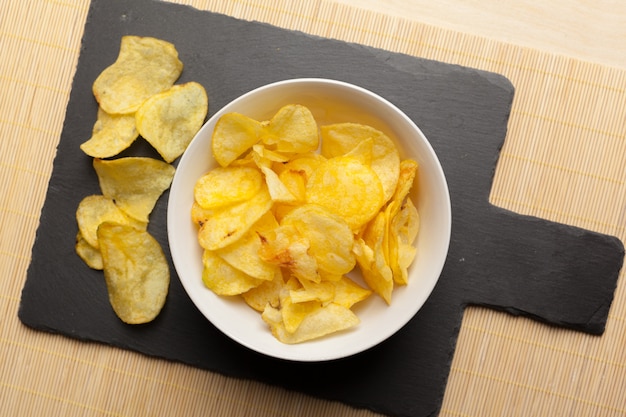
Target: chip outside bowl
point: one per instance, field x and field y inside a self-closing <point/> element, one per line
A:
<point x="330" y="101"/>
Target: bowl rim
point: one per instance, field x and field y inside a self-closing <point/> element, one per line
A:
<point x="296" y="354"/>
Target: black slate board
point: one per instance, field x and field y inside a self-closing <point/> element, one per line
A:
<point x="558" y="274"/>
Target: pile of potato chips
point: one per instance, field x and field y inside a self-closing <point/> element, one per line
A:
<point x="283" y="220"/>
<point x="137" y="97"/>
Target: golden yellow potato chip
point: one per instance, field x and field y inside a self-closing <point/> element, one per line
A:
<point x="244" y="253"/>
<point x="286" y="247"/>
<point x="403" y="231"/>
<point x="363" y="151"/>
<point x="341" y="138"/>
<point x="278" y="190"/>
<point x="292" y="130"/>
<point x="223" y="186"/>
<point x="169" y="120"/>
<point x="221" y="278"/>
<point x="135" y="270"/>
<point x="369" y="253"/>
<point x="321" y="292"/>
<point x="267" y="293"/>
<point x="90" y="255"/>
<point x="346" y="188"/>
<point x="406" y="178"/>
<point x="199" y="215"/>
<point x="329" y="236"/>
<point x="134" y="183"/>
<point x="227" y="225"/>
<point x="112" y="133"/>
<point x="323" y="321"/>
<point x="145" y="66"/>
<point x="233" y="135"/>
<point x="96" y="209"/>
<point x="272" y="156"/>
<point x="305" y="163"/>
<point x="348" y="292"/>
<point x="295" y="182"/>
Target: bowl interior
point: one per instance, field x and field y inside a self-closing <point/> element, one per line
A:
<point x="330" y="102"/>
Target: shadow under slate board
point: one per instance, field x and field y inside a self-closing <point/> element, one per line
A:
<point x="527" y="266"/>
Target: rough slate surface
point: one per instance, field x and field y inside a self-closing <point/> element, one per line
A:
<point x="554" y="273"/>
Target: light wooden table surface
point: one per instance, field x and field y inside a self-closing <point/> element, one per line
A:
<point x="589" y="30"/>
<point x="563" y="159"/>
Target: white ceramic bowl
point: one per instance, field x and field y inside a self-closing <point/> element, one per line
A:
<point x="330" y="102"/>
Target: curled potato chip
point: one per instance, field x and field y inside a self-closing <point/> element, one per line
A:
<point x="227" y="225"/>
<point x="134" y="183"/>
<point x="223" y="186"/>
<point x="244" y="253"/>
<point x="96" y="209"/>
<point x="293" y="129"/>
<point x="329" y="236"/>
<point x="286" y="247"/>
<point x="145" y="66"/>
<point x="403" y="231"/>
<point x="169" y="120"/>
<point x="90" y="255"/>
<point x="322" y="321"/>
<point x="267" y="293"/>
<point x="112" y="133"/>
<point x="348" y="293"/>
<point x="277" y="188"/>
<point x="135" y="270"/>
<point x="321" y="292"/>
<point x="346" y="188"/>
<point x="221" y="278"/>
<point x="232" y="136"/>
<point x="341" y="138"/>
<point x="371" y="259"/>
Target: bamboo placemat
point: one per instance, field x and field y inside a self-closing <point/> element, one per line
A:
<point x="563" y="160"/>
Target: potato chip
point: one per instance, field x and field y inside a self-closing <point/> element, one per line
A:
<point x="294" y="313"/>
<point x="169" y="120"/>
<point x="134" y="183"/>
<point x="223" y="186"/>
<point x="346" y="188"/>
<point x="321" y="292"/>
<point x="269" y="155"/>
<point x="221" y="278"/>
<point x="278" y="190"/>
<point x="145" y="66"/>
<point x="348" y="292"/>
<point x="329" y="237"/>
<point x="292" y="130"/>
<point x="112" y="133"/>
<point x="233" y="135"/>
<point x="90" y="255"/>
<point x="226" y="225"/>
<point x="244" y="253"/>
<point x="341" y="138"/>
<point x="403" y="231"/>
<point x="286" y="247"/>
<point x="305" y="163"/>
<point x="199" y="215"/>
<point x="295" y="182"/>
<point x="267" y="293"/>
<point x="135" y="270"/>
<point x="374" y="267"/>
<point x="323" y="321"/>
<point x="96" y="209"/>
<point x="406" y="178"/>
